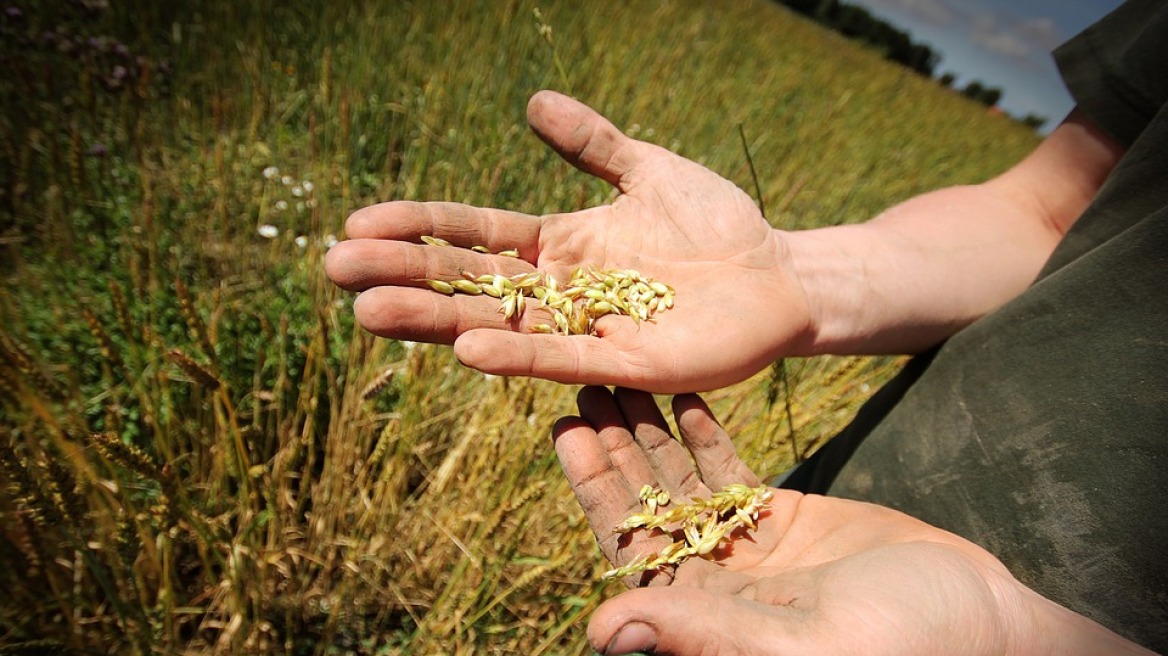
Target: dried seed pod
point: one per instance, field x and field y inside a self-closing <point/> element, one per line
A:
<point x="480" y="249"/>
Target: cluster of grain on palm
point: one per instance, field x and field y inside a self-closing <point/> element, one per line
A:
<point x="703" y="524"/>
<point x="590" y="293"/>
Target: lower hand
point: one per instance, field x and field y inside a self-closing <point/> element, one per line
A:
<point x="819" y="575"/>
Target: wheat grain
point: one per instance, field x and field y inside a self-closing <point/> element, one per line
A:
<point x="590" y="293"/>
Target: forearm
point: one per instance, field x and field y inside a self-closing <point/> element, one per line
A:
<point x="916" y="274"/>
<point x="926" y="268"/>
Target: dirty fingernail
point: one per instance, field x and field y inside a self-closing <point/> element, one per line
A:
<point x="632" y="637"/>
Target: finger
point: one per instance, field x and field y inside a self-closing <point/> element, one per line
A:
<point x="671" y="463"/>
<point x="602" y="491"/>
<point x="600" y="409"/>
<point x="709" y="444"/>
<point x="422" y="315"/>
<point x="683" y="620"/>
<point x="586" y="139"/>
<point x="578" y="359"/>
<point x="462" y="225"/>
<point x="358" y="264"/>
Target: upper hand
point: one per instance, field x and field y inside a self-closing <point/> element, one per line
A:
<point x="818" y="576"/>
<point x="737" y="304"/>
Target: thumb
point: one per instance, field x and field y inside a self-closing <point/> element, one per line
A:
<point x="584" y="138"/>
<point x="679" y="621"/>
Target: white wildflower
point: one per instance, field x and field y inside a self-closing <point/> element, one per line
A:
<point x="302" y="241"/>
<point x="268" y="231"/>
<point x="330" y="241"/>
<point x="286" y="180"/>
<point x="281" y="205"/>
<point x="297" y="191"/>
<point x="271" y="172"/>
<point x="308" y="187"/>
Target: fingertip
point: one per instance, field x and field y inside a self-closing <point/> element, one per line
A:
<point x="617" y="628"/>
<point x="334" y="263"/>
<point x="686" y="405"/>
<point x="591" y="394"/>
<point x="542" y="102"/>
<point x="477" y="348"/>
<point x="568" y="423"/>
<point x="359" y="224"/>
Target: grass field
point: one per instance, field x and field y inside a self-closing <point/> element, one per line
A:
<point x="199" y="451"/>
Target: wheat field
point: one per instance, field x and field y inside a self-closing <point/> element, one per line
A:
<point x="199" y="451"/>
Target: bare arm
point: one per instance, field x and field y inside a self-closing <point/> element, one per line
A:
<point x="924" y="269"/>
<point x="897" y="284"/>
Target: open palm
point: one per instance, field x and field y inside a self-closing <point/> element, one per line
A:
<point x="819" y="575"/>
<point x="737" y="304"/>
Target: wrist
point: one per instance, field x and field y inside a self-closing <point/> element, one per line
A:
<point x="1040" y="626"/>
<point x="830" y="273"/>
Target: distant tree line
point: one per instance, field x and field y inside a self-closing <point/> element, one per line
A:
<point x="858" y="23"/>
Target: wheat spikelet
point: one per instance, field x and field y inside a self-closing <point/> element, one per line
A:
<point x="194" y="321"/>
<point x="378" y="384"/>
<point x="121" y="310"/>
<point x="104" y="343"/>
<point x="114" y="450"/>
<point x="127" y="542"/>
<point x="382" y="447"/>
<point x="18" y="357"/>
<point x="527" y="495"/>
<point x="18" y="469"/>
<point x="539" y="571"/>
<point x="63" y="489"/>
<point x="22" y="535"/>
<point x="196" y="371"/>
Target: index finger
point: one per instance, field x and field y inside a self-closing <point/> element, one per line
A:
<point x="461" y="225"/>
<point x="604" y="494"/>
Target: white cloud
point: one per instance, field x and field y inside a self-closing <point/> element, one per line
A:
<point x="1042" y="32"/>
<point x="988" y="34"/>
<point x="1025" y="40"/>
<point x="935" y="12"/>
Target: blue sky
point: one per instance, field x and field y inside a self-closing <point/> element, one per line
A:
<point x="1002" y="43"/>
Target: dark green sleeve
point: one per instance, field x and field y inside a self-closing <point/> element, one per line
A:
<point x="1117" y="69"/>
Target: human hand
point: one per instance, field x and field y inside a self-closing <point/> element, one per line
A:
<point x="819" y="575"/>
<point x="737" y="305"/>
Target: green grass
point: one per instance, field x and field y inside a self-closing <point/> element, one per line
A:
<point x="189" y="464"/>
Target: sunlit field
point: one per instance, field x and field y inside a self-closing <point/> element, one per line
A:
<point x="200" y="452"/>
